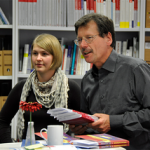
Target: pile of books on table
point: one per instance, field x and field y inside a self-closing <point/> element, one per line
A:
<point x="96" y="141"/>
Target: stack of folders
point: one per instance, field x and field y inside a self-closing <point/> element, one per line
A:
<point x="70" y="116"/>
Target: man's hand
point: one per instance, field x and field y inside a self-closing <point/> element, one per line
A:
<point x="77" y="129"/>
<point x="102" y="124"/>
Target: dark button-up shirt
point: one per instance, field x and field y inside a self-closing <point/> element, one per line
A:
<point x="121" y="89"/>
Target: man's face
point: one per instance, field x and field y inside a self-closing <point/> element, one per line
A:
<point x="98" y="50"/>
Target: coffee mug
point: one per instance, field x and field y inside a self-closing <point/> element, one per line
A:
<point x="54" y="134"/>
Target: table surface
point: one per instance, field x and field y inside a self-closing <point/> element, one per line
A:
<point x="17" y="146"/>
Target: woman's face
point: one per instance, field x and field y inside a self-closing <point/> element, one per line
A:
<point x="41" y="60"/>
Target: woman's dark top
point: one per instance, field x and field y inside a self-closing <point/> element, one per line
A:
<point x="40" y="118"/>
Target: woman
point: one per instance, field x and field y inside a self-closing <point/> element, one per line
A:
<point x="47" y="85"/>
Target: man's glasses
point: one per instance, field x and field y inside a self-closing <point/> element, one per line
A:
<point x="88" y="40"/>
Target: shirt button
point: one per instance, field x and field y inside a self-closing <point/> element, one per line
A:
<point x="102" y="96"/>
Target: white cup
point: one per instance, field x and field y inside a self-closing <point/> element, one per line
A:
<point x="54" y="134"/>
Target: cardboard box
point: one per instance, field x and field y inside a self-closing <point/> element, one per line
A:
<point x="7" y="62"/>
<point x="147" y="54"/>
<point x="147" y="17"/>
<point x="2" y="101"/>
<point x="148" y="62"/>
<point x="147" y="38"/>
<point x="1" y="63"/>
<point x="147" y="49"/>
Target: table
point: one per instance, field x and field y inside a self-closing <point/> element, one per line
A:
<point x="17" y="146"/>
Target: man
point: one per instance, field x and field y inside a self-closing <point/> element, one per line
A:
<point x="116" y="89"/>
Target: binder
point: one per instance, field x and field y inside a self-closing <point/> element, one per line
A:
<point x="7" y="62"/>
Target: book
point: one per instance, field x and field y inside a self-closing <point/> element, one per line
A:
<point x="130" y="13"/>
<point x="25" y="58"/>
<point x="127" y="14"/>
<point x="34" y="13"/>
<point x="76" y="10"/>
<point x="21" y="52"/>
<point x="138" y="13"/>
<point x="78" y="63"/>
<point x="44" y="12"/>
<point x="104" y="139"/>
<point x="98" y="7"/>
<point x="117" y="13"/>
<point x="128" y="50"/>
<point x="113" y="11"/>
<point x="94" y="6"/>
<point x="135" y="12"/>
<point x="29" y="5"/>
<point x="59" y="12"/>
<point x="64" y="13"/>
<point x="29" y="61"/>
<point x="3" y="17"/>
<point x="66" y="138"/>
<point x="137" y="48"/>
<point x="103" y="7"/>
<point x="92" y="144"/>
<point x="122" y="14"/>
<point x="70" y="116"/>
<point x="108" y="8"/>
<point x="91" y="6"/>
<point x="20" y="10"/>
<point x="68" y="59"/>
<point x="25" y="12"/>
<point x="38" y="13"/>
<point x="82" y="7"/>
<point x="134" y="46"/>
<point x="1" y="23"/>
<point x="124" y="47"/>
<point x="85" y="8"/>
<point x="73" y="59"/>
<point x="118" y="47"/>
<point x="76" y="60"/>
<point x="65" y="58"/>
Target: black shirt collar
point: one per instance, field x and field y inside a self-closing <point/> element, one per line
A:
<point x="109" y="65"/>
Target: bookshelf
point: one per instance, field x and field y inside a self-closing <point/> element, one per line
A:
<point x="25" y="34"/>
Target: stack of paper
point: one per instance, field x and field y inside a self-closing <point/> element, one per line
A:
<point x="71" y="116"/>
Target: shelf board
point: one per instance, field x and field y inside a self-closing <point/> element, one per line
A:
<point x="55" y="28"/>
<point x="137" y="29"/>
<point x="46" y="28"/>
<point x="75" y="76"/>
<point x="147" y="29"/>
<point x="5" y="77"/>
<point x="21" y="75"/>
<point x="6" y="26"/>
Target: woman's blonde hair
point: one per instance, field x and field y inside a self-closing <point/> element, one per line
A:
<point x="50" y="44"/>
